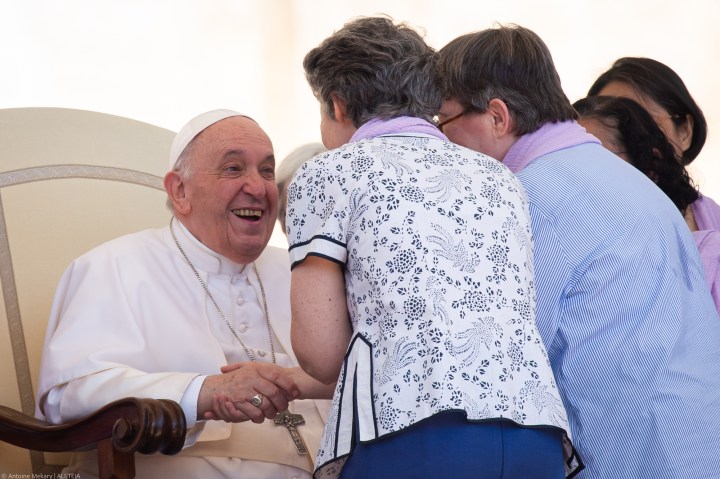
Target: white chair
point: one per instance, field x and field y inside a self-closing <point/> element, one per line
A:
<point x="69" y="180"/>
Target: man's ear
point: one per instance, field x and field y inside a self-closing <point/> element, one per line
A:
<point x="501" y="121"/>
<point x="175" y="188"/>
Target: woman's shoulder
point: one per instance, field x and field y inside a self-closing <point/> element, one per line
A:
<point x="707" y="213"/>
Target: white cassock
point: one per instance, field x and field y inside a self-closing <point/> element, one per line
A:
<point x="131" y="319"/>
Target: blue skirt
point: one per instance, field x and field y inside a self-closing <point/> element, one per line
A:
<point x="448" y="445"/>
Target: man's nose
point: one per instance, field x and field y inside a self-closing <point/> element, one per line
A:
<point x="254" y="184"/>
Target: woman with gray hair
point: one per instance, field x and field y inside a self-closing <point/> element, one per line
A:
<point x="412" y="282"/>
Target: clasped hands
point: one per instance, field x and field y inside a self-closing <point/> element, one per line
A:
<point x="228" y="396"/>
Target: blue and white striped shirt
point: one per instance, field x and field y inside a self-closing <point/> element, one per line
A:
<point x="631" y="330"/>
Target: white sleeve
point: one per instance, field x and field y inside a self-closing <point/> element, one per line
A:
<point x="52" y="405"/>
<point x="189" y="400"/>
<point x="72" y="400"/>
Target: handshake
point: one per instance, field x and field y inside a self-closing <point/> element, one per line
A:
<point x="252" y="391"/>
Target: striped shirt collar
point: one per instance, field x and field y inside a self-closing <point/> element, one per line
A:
<point x="548" y="138"/>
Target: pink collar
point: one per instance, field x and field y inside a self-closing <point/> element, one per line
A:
<point x="401" y="124"/>
<point x="548" y="138"/>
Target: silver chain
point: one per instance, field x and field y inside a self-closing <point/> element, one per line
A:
<point x="217" y="308"/>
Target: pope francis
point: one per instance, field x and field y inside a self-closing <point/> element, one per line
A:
<point x="158" y="313"/>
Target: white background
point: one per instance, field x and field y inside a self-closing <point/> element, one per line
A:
<point x="164" y="61"/>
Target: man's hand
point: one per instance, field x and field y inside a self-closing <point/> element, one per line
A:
<point x="227" y="396"/>
<point x="224" y="409"/>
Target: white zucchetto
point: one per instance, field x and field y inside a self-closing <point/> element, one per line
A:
<point x="193" y="128"/>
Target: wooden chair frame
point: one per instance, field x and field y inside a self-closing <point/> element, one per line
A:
<point x="118" y="431"/>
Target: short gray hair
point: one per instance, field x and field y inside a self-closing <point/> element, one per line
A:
<point x="379" y="69"/>
<point x="182" y="166"/>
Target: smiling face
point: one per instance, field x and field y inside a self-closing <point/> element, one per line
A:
<point x="229" y="200"/>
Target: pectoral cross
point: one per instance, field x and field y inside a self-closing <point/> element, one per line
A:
<point x="291" y="422"/>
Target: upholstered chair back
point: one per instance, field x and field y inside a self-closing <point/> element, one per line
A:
<point x="69" y="180"/>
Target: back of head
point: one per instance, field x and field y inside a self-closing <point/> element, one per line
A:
<point x="645" y="145"/>
<point x="379" y="68"/>
<point x="665" y="87"/>
<point x="511" y="63"/>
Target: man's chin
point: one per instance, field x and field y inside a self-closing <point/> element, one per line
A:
<point x="248" y="248"/>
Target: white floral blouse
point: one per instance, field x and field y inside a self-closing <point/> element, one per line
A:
<point x="437" y="249"/>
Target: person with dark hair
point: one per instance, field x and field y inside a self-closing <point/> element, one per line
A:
<point x="661" y="91"/>
<point x="630" y="327"/>
<point x="628" y="130"/>
<point x="412" y="280"/>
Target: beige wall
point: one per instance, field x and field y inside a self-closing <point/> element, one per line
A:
<point x="163" y="61"/>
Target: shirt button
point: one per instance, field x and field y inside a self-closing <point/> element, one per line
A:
<point x="262" y="353"/>
<point x="241" y="301"/>
<point x="243" y="327"/>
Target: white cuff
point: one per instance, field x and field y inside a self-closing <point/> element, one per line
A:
<point x="189" y="400"/>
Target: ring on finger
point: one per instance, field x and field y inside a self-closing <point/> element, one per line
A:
<point x="256" y="400"/>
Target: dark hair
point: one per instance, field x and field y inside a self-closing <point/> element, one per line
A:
<point x="659" y="82"/>
<point x="511" y="63"/>
<point x="377" y="68"/>
<point x="645" y="145"/>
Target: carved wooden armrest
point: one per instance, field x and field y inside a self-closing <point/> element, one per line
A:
<point x="118" y="430"/>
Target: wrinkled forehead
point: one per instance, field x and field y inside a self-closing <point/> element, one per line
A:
<point x="238" y="136"/>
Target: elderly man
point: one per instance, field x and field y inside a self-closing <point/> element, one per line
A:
<point x="158" y="313"/>
<point x="622" y="303"/>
